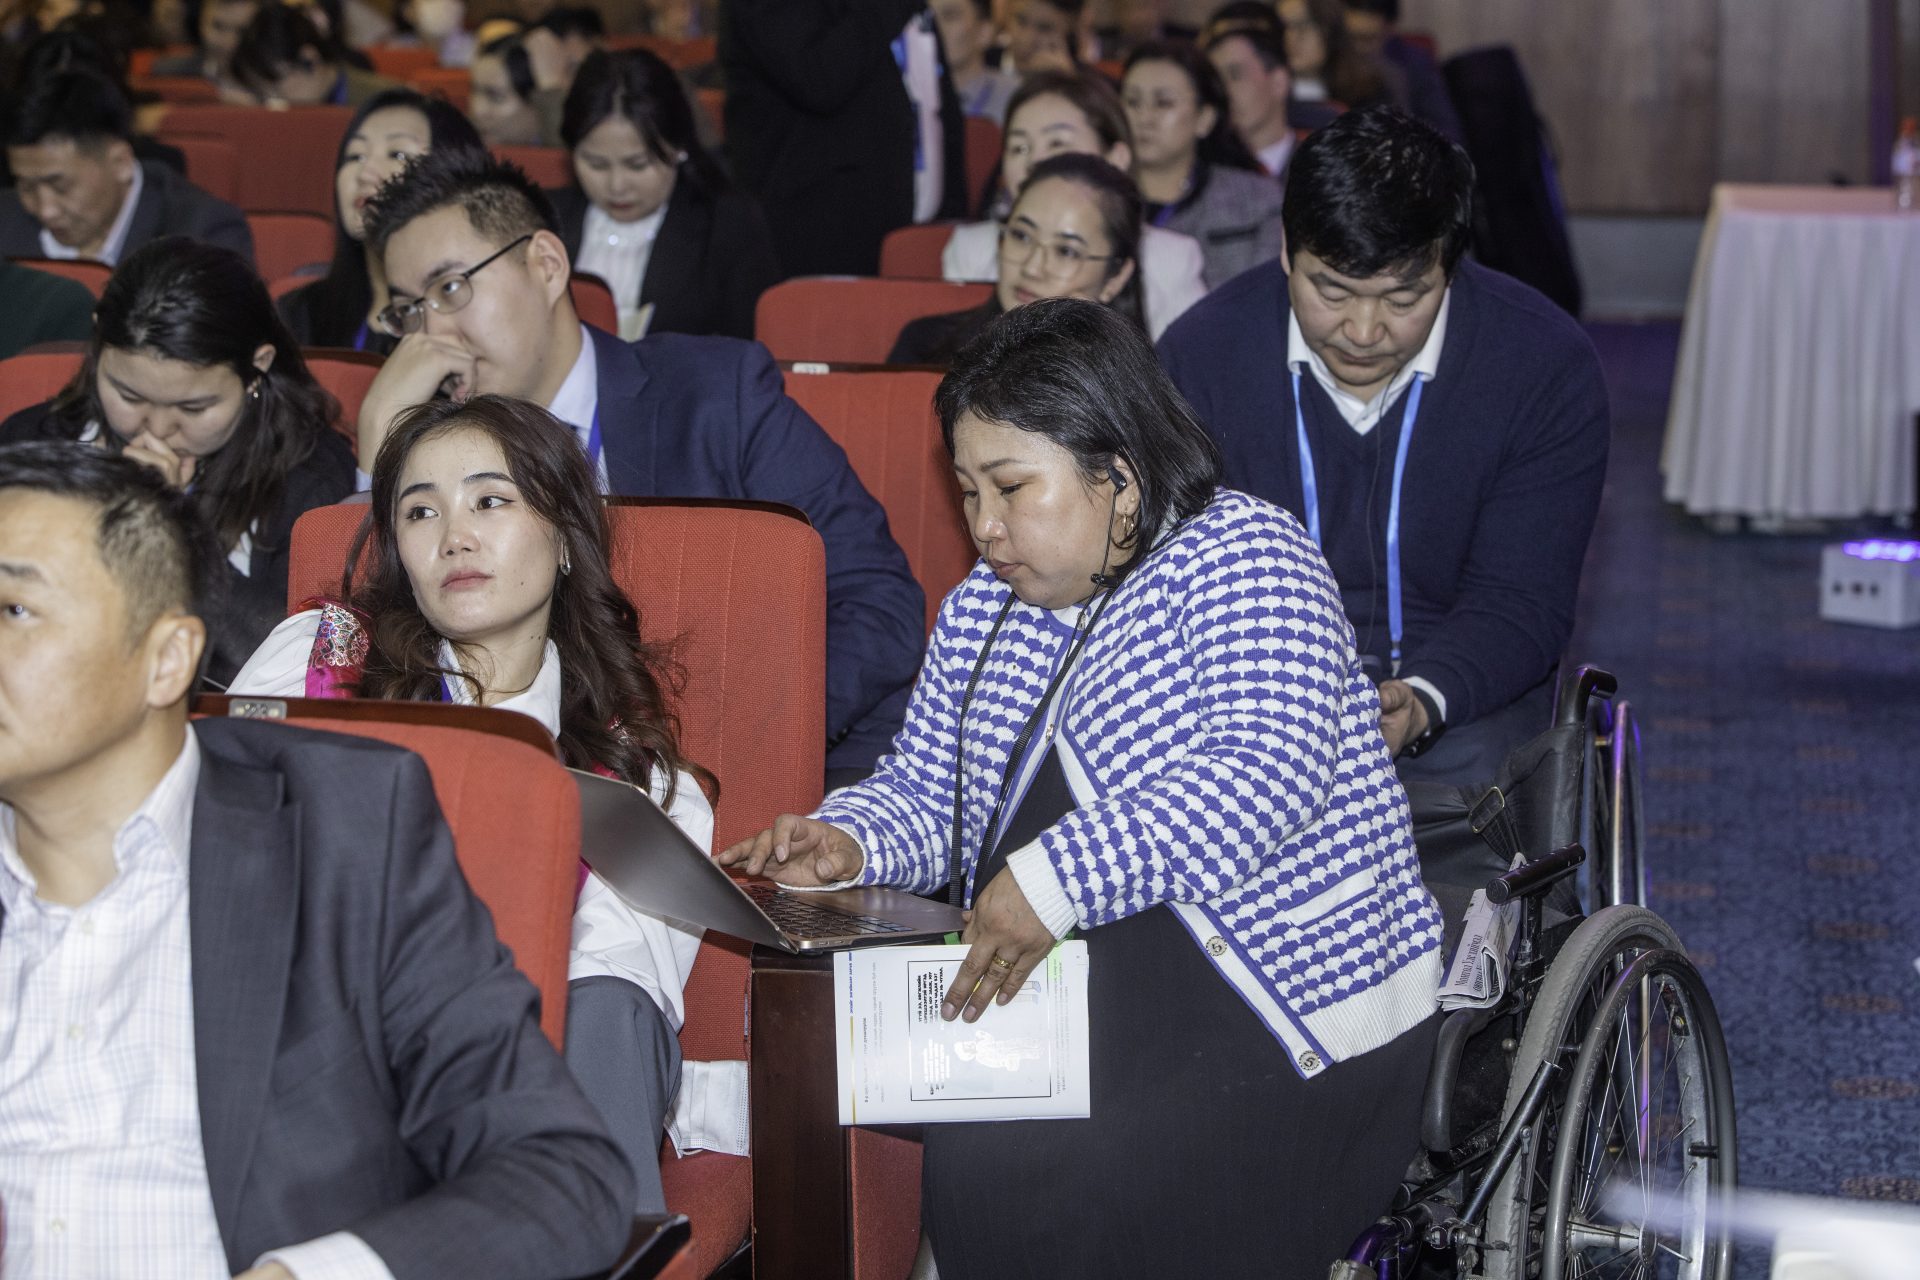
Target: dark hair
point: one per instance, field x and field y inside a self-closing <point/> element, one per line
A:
<point x="1118" y="201"/>
<point x="151" y="537"/>
<point x="79" y="104"/>
<point x="1221" y="145"/>
<point x="1071" y="8"/>
<point x="574" y="20"/>
<point x="1388" y="9"/>
<point x="638" y="86"/>
<point x="984" y="8"/>
<point x="339" y="301"/>
<point x="1254" y="22"/>
<point x="82" y="42"/>
<point x="272" y="43"/>
<point x="1349" y="78"/>
<point x="1086" y="378"/>
<point x="501" y="202"/>
<point x="513" y="54"/>
<point x="1377" y="191"/>
<point x="181" y="299"/>
<point x="1088" y="91"/>
<point x="616" y="696"/>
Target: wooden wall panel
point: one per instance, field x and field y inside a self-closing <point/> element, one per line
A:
<point x="1794" y="91"/>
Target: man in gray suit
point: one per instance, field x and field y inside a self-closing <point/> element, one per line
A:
<point x="249" y="1029"/>
<point x="79" y="191"/>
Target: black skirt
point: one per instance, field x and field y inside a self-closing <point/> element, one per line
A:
<point x="1205" y="1154"/>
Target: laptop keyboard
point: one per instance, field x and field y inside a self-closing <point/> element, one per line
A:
<point x="793" y="914"/>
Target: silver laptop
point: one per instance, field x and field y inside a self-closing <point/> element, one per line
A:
<point x="632" y="844"/>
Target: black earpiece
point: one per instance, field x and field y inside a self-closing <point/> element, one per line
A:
<point x="1118" y="481"/>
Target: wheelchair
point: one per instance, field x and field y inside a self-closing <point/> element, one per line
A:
<point x="1583" y="1126"/>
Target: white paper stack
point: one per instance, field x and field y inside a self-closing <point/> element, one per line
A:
<point x="899" y="1063"/>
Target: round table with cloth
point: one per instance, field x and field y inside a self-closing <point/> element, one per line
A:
<point x="1798" y="380"/>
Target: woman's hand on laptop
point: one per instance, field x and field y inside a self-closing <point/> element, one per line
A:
<point x="797" y="851"/>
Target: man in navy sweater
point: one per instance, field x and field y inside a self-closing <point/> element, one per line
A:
<point x="479" y="284"/>
<point x="1440" y="428"/>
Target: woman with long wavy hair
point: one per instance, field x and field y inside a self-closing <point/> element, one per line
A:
<point x="486" y="580"/>
<point x="191" y="372"/>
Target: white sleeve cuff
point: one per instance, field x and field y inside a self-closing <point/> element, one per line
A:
<point x="1041" y="884"/>
<point x="710" y="1111"/>
<point x="340" y="1256"/>
<point x="1425" y="686"/>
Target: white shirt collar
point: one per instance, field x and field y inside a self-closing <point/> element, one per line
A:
<point x="167" y="811"/>
<point x="599" y="226"/>
<point x="579" y="397"/>
<point x="1274" y="156"/>
<point x="541" y="699"/>
<point x="116" y="241"/>
<point x="1364" y="415"/>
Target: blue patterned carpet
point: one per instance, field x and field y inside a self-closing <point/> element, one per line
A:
<point x="1782" y="780"/>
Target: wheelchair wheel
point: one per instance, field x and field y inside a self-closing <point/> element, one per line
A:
<point x="1647" y="1152"/>
<point x="1563" y="1010"/>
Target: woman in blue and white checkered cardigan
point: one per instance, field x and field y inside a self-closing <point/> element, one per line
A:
<point x="1147" y="703"/>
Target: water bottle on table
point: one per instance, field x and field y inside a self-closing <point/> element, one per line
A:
<point x="1906" y="167"/>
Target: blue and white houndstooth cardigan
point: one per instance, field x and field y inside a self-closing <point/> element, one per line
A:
<point x="1230" y="742"/>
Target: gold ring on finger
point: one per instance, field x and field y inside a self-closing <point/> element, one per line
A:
<point x="1001" y="962"/>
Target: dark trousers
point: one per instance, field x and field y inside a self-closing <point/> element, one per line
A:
<point x="1471" y="754"/>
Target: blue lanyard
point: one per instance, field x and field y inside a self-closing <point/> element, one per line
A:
<point x="594" y="446"/>
<point x="360" y="337"/>
<point x="1310" y="493"/>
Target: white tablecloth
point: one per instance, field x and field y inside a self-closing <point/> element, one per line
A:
<point x="1799" y="372"/>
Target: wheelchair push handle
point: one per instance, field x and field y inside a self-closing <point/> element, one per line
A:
<point x="1577" y="690"/>
<point x="1535" y="877"/>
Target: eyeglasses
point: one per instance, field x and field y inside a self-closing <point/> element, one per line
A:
<point x="446" y="295"/>
<point x="1061" y="258"/>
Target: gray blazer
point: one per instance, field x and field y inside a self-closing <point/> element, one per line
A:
<point x="369" y="1059"/>
<point x="1235" y="215"/>
<point x="169" y="206"/>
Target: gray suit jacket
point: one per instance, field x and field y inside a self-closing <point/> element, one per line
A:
<point x="369" y="1059"/>
<point x="169" y="206"/>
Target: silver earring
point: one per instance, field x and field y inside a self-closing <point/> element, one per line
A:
<point x="566" y="563"/>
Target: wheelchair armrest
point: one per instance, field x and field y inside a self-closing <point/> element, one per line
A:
<point x="1533" y="878"/>
<point x="1577" y="689"/>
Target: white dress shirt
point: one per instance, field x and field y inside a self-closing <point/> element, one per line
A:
<point x="1364" y="415"/>
<point x="577" y="399"/>
<point x="618" y="252"/>
<point x="116" y="242"/>
<point x="1274" y="156"/>
<point x="102" y="1170"/>
<point x="1171" y="267"/>
<point x="609" y="937"/>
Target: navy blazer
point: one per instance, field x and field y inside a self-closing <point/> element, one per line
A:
<point x="368" y="1058"/>
<point x="169" y="206"/>
<point x="688" y="417"/>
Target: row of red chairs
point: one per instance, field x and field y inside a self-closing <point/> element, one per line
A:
<point x="402" y="61"/>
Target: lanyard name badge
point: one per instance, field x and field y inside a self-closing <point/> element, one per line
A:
<point x="595" y="449"/>
<point x="1310" y="493"/>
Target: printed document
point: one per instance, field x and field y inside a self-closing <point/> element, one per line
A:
<point x="901" y="1064"/>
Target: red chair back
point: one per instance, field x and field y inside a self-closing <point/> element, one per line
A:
<point x="547" y="166"/>
<point x="293" y="151"/>
<point x="34" y="376"/>
<point x="454" y="84"/>
<point x="982" y="157"/>
<point x="913" y="253"/>
<point x="85" y="271"/>
<point x="512" y="809"/>
<point x="286" y="244"/>
<point x="851" y="320"/>
<point x="346" y="374"/>
<point x="681" y="55"/>
<point x="593" y="302"/>
<point x="285" y="285"/>
<point x="397" y="62"/>
<point x="213" y="164"/>
<point x="885" y="422"/>
<point x="177" y="89"/>
<point x="713" y="105"/>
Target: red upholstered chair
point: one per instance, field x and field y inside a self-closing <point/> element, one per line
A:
<point x="454" y="84"/>
<point x="347" y="374"/>
<point x="86" y="271"/>
<point x="290" y="153"/>
<point x="284" y="244"/>
<point x="754" y="712"/>
<point x="851" y="320"/>
<point x="547" y="166"/>
<point x="713" y="104"/>
<point x="884" y="420"/>
<point x="34" y="376"/>
<point x="593" y="302"/>
<point x="913" y="253"/>
<point x="177" y="89"/>
<point x="400" y="61"/>
<point x="982" y="156"/>
<point x="681" y="55"/>
<point x="213" y="165"/>
<point x="513" y="810"/>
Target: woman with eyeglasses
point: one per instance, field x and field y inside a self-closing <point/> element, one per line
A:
<point x="1195" y="173"/>
<point x="1074" y="232"/>
<point x="1076" y="113"/>
<point x="650" y="211"/>
<point x="387" y="134"/>
<point x="191" y="372"/>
